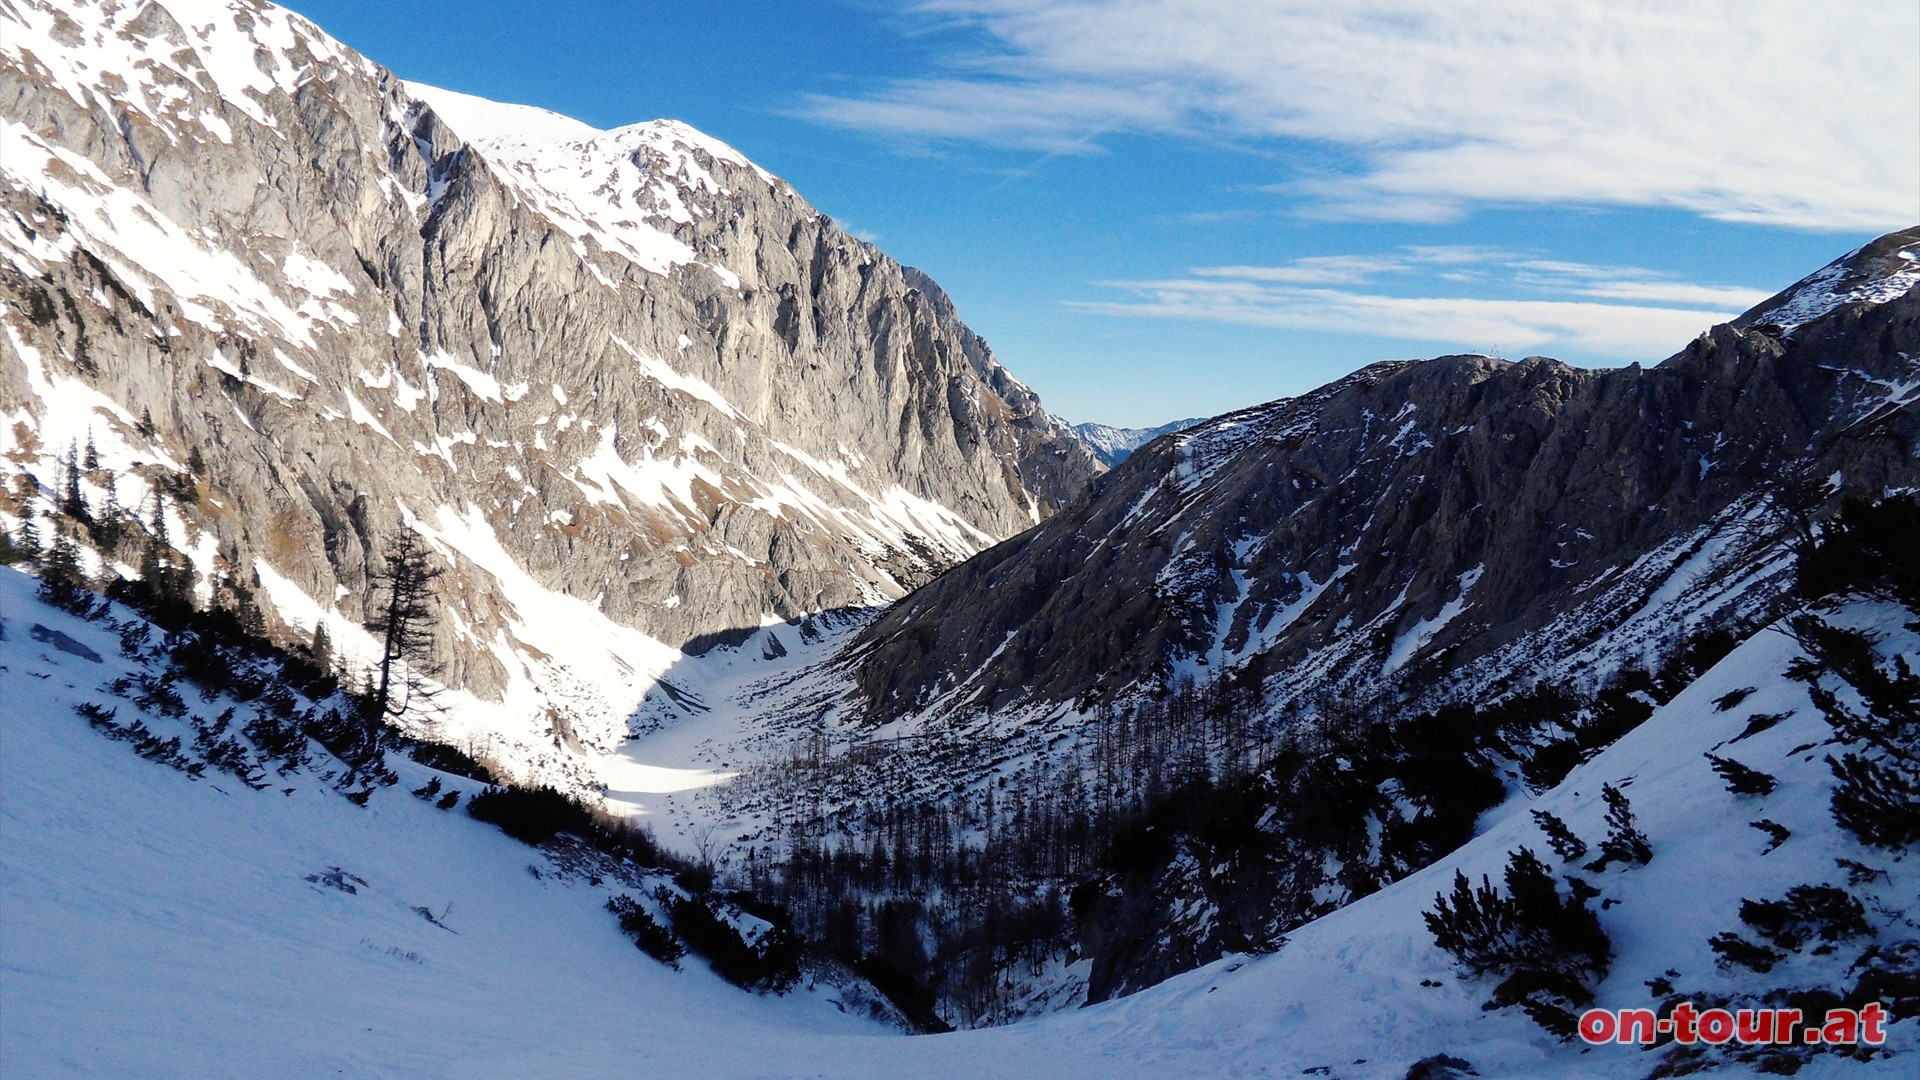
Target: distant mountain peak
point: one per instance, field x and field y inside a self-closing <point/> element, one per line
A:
<point x="1112" y="445"/>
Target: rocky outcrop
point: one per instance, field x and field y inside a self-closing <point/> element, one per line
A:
<point x="1428" y="526"/>
<point x="623" y="381"/>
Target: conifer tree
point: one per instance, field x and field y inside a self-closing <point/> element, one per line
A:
<point x="29" y="539"/>
<point x="62" y="581"/>
<point x="110" y="525"/>
<point x="403" y="622"/>
<point x="166" y="578"/>
<point x="321" y="651"/>
<point x="1625" y="842"/>
<point x="1563" y="840"/>
<point x="72" y="502"/>
<point x="21" y="544"/>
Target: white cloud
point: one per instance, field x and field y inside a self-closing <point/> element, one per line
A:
<point x="1616" y="331"/>
<point x="1772" y="111"/>
<point x="1569" y="307"/>
<point x="1312" y="270"/>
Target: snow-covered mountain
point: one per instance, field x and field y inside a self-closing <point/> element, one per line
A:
<point x="1457" y="526"/>
<point x="634" y="390"/>
<point x="744" y="531"/>
<point x="1557" y="551"/>
<point x="1112" y="444"/>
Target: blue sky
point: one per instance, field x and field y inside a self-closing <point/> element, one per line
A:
<point x="1163" y="208"/>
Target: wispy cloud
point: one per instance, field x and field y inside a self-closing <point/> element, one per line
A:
<point x="1604" y="312"/>
<point x="1771" y="111"/>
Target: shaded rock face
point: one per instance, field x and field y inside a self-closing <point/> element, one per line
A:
<point x="1456" y="523"/>
<point x="1448" y="530"/>
<point x="627" y="367"/>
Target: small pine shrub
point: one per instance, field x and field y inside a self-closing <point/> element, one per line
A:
<point x="533" y="815"/>
<point x="1777" y="833"/>
<point x="1741" y="779"/>
<point x="1877" y="797"/>
<point x="648" y="935"/>
<point x="1877" y="800"/>
<point x="1546" y="949"/>
<point x="279" y="740"/>
<point x="1865" y="548"/>
<point x="1565" y="843"/>
<point x="1807" y="913"/>
<point x="1736" y="951"/>
<point x="771" y="964"/>
<point x="98" y="715"/>
<point x="1625" y="843"/>
<point x="448" y="759"/>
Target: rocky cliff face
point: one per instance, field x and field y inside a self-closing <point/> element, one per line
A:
<point x="636" y="392"/>
<point x="1436" y="527"/>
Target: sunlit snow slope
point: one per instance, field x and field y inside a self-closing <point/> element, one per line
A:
<point x="160" y="925"/>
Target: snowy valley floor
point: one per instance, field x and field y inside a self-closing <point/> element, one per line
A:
<point x="157" y="925"/>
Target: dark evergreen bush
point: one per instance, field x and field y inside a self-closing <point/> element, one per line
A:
<point x="533" y="815"/>
<point x="771" y="963"/>
<point x="1741" y="779"/>
<point x="1545" y="949"/>
<point x="447" y="759"/>
<point x="1625" y="842"/>
<point x="1865" y="548"/>
<point x="1807" y="913"/>
<point x="648" y="935"/>
<point x="63" y="584"/>
<point x="1877" y="797"/>
<point x="1562" y="839"/>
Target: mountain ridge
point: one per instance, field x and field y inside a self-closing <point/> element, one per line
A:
<point x="671" y="408"/>
<point x="1767" y="395"/>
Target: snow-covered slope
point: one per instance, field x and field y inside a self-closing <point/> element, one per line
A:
<point x="158" y="924"/>
<point x="161" y="924"/>
<point x="1871" y="274"/>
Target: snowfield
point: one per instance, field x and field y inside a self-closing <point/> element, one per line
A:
<point x="160" y="925"/>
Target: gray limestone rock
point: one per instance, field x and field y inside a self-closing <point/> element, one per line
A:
<point x="630" y="364"/>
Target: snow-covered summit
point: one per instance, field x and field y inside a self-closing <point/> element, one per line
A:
<point x="626" y="187"/>
<point x="1871" y="274"/>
